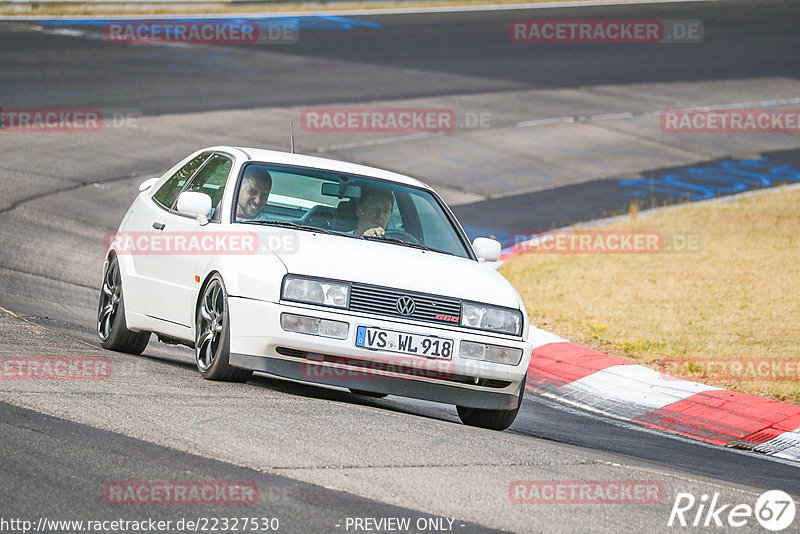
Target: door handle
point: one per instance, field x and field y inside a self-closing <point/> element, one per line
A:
<point x="158" y="226"/>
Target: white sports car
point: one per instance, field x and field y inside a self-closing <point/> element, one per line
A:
<point x="316" y="270"/>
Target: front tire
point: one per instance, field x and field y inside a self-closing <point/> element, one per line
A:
<point x="490" y="419"/>
<point x="111" y="326"/>
<point x="212" y="339"/>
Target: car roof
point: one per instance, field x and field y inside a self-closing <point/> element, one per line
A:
<point x="287" y="158"/>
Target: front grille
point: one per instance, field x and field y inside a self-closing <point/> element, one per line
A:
<point x="383" y="301"/>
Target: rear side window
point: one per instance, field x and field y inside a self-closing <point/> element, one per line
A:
<point x="211" y="180"/>
<point x="168" y="192"/>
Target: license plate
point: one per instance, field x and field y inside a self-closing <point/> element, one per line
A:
<point x="370" y="337"/>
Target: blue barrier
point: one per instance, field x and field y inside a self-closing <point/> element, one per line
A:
<point x="701" y="183"/>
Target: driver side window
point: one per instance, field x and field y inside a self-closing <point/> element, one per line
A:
<point x="211" y="180"/>
<point x="168" y="193"/>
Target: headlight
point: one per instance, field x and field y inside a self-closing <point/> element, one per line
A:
<point x="490" y="318"/>
<point x="322" y="292"/>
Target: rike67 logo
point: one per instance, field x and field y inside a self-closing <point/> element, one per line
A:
<point x="774" y="510"/>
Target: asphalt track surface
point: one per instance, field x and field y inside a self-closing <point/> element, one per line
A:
<point x="410" y="55"/>
<point x="318" y="455"/>
<point x="55" y="444"/>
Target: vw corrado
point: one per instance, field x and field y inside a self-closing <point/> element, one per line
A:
<point x="316" y="270"/>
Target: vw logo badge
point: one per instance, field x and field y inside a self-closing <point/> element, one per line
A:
<point x="405" y="305"/>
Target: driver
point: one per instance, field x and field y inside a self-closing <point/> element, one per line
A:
<point x="253" y="193"/>
<point x="373" y="212"/>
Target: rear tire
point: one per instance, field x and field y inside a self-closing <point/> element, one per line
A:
<point x="111" y="326"/>
<point x="491" y="419"/>
<point x="212" y="335"/>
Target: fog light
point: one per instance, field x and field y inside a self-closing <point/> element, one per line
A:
<point x="314" y="326"/>
<point x="490" y="353"/>
<point x="472" y="351"/>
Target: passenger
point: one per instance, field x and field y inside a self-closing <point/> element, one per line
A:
<point x="373" y="212"/>
<point x="253" y="194"/>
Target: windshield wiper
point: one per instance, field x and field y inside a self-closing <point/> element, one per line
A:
<point x="406" y="244"/>
<point x="309" y="228"/>
<point x="294" y="225"/>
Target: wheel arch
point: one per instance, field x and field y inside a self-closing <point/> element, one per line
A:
<point x="202" y="288"/>
<point x="256" y="277"/>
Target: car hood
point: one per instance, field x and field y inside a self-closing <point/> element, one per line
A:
<point x="392" y="265"/>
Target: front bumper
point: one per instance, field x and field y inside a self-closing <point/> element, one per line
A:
<point x="259" y="343"/>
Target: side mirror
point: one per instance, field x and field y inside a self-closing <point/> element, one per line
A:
<point x="197" y="204"/>
<point x="147" y="184"/>
<point x="487" y="249"/>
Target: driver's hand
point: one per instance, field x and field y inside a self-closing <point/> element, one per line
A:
<point x="374" y="232"/>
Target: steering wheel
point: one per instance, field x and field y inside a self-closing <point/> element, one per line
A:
<point x="401" y="235"/>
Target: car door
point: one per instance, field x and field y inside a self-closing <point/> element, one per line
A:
<point x="145" y="228"/>
<point x="165" y="267"/>
<point x="177" y="268"/>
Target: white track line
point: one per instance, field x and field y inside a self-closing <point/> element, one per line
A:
<point x="572" y="119"/>
<point x="633" y="114"/>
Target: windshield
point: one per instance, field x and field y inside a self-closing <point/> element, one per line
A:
<point x="347" y="205"/>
